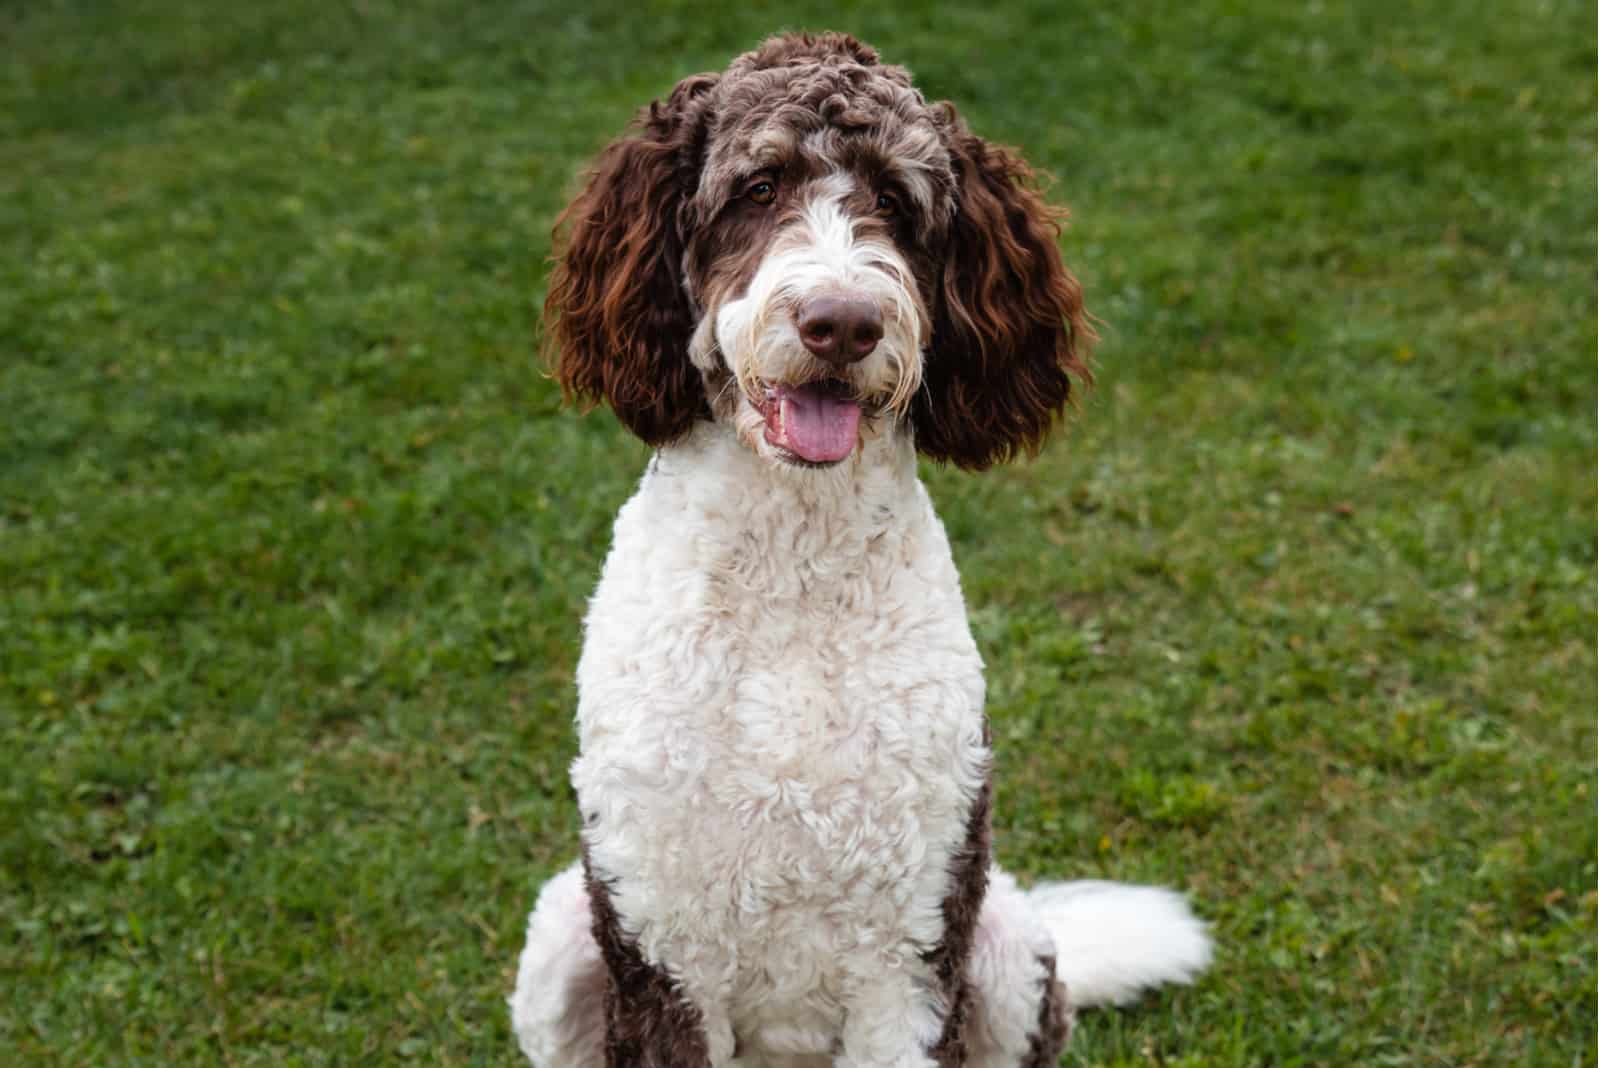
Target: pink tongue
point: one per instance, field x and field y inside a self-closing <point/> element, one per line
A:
<point x="813" y="425"/>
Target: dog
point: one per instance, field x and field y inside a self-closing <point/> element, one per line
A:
<point x="791" y="279"/>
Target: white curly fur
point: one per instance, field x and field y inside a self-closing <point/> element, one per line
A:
<point x="780" y="720"/>
<point x="558" y="1012"/>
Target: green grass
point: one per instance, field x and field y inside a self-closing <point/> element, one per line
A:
<point x="295" y="538"/>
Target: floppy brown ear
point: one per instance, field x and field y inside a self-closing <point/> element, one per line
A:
<point x="1010" y="332"/>
<point x="617" y="318"/>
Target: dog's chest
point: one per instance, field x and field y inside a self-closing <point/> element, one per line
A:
<point x="782" y="736"/>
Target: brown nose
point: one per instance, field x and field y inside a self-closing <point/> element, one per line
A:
<point x="839" y="329"/>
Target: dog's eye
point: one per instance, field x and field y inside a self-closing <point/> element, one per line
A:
<point x="762" y="191"/>
<point x="888" y="205"/>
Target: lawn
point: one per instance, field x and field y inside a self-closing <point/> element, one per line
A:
<point x="295" y="536"/>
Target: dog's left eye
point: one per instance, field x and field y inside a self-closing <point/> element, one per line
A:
<point x="888" y="205"/>
<point x="762" y="191"/>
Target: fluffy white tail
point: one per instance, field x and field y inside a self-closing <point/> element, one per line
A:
<point x="1113" y="940"/>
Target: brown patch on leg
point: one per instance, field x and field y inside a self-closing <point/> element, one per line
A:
<point x="1055" y="1021"/>
<point x="969" y="870"/>
<point x="649" y="1023"/>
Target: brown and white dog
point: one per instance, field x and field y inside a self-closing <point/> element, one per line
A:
<point x="791" y="279"/>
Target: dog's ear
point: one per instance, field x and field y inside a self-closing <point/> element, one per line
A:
<point x="617" y="317"/>
<point x="1010" y="331"/>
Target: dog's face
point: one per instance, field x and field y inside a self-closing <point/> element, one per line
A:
<point x="806" y="249"/>
<point x="825" y="195"/>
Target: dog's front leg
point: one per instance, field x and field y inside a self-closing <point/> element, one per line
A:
<point x="656" y="1026"/>
<point x="893" y="1021"/>
<point x="651" y="1020"/>
<point x="649" y="1024"/>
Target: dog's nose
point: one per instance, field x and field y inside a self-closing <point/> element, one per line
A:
<point x="838" y="328"/>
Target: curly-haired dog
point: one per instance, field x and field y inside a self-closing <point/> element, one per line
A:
<point x="791" y="279"/>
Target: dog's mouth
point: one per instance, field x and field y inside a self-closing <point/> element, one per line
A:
<point x="814" y="422"/>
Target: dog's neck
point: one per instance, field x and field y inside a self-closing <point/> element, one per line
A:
<point x="736" y="502"/>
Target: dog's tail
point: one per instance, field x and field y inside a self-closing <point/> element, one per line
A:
<point x="1113" y="939"/>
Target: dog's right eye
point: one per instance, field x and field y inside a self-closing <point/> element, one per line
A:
<point x="762" y="191"/>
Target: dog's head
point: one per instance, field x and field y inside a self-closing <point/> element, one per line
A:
<point x="805" y="248"/>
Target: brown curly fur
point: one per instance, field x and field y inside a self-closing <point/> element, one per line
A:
<point x="1010" y="320"/>
<point x="619" y="318"/>
<point x="1055" y="1021"/>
